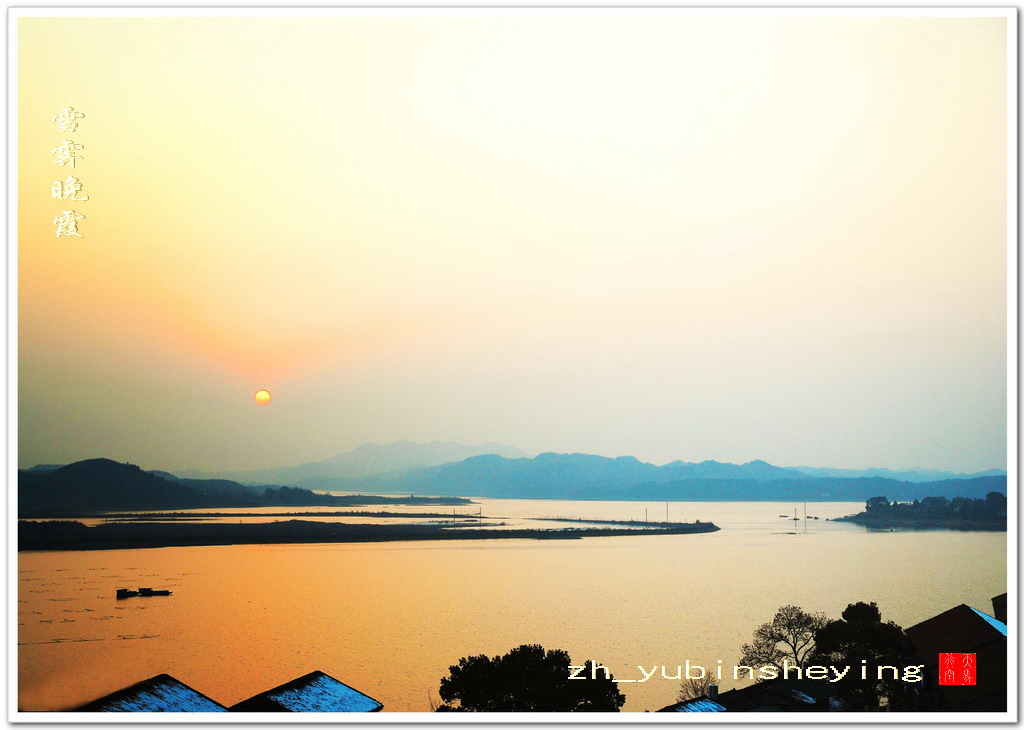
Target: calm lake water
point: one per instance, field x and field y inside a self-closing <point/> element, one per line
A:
<point x="389" y="618"/>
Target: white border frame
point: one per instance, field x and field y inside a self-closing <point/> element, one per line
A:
<point x="1012" y="293"/>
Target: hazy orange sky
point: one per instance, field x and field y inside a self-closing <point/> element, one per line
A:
<point x="676" y="238"/>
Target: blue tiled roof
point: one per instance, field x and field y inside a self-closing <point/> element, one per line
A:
<point x="162" y="693"/>
<point x="994" y="622"/>
<point x="801" y="696"/>
<point x="318" y="692"/>
<point x="702" y="704"/>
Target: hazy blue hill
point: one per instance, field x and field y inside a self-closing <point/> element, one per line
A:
<point x="819" y="489"/>
<point x="567" y="474"/>
<point x="903" y="475"/>
<point x="585" y="476"/>
<point x="43" y="468"/>
<point x="368" y="460"/>
<point x="165" y="475"/>
<point x="758" y="469"/>
<point x="543" y="476"/>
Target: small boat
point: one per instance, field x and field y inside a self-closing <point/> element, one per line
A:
<point x="126" y="593"/>
<point x="151" y="592"/>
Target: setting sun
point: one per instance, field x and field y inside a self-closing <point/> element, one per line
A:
<point x="262" y="397"/>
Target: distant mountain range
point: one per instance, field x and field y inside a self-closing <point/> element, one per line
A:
<point x="366" y="461"/>
<point x="903" y="475"/>
<point x="401" y="458"/>
<point x="444" y="469"/>
<point x="585" y="476"/>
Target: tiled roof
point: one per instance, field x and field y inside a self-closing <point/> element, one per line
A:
<point x="963" y="629"/>
<point x="960" y="629"/>
<point x="162" y="693"/>
<point x="314" y="692"/>
<point x="790" y="695"/>
<point x="996" y="623"/>
<point x="774" y="695"/>
<point x="701" y="704"/>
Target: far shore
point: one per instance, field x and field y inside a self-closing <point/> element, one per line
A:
<point x="37" y="536"/>
<point x="198" y="515"/>
<point x="923" y="523"/>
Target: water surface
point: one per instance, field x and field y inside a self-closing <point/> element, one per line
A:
<point x="389" y="618"/>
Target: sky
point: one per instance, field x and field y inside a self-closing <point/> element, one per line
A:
<point x="688" y="238"/>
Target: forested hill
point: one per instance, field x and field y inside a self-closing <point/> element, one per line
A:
<point x="103" y="485"/>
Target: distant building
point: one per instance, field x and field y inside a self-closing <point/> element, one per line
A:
<point x="963" y="629"/>
<point x="162" y="693"/>
<point x="774" y="695"/>
<point x="314" y="692"/>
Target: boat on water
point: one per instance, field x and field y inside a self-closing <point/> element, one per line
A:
<point x="129" y="593"/>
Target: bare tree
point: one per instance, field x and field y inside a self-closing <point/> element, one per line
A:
<point x="788" y="637"/>
<point x="691" y="689"/>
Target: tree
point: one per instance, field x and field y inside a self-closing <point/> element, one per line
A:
<point x="528" y="679"/>
<point x="877" y="505"/>
<point x="691" y="689"/>
<point x="860" y="635"/>
<point x="936" y="505"/>
<point x="995" y="504"/>
<point x="788" y="637"/>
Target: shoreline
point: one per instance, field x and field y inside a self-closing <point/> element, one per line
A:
<point x="938" y="523"/>
<point x="199" y="516"/>
<point x="64" y="536"/>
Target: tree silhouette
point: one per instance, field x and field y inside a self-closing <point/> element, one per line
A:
<point x="937" y="509"/>
<point x="788" y="637"/>
<point x="860" y="635"/>
<point x="875" y="505"/>
<point x="692" y="689"/>
<point x="527" y="679"/>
